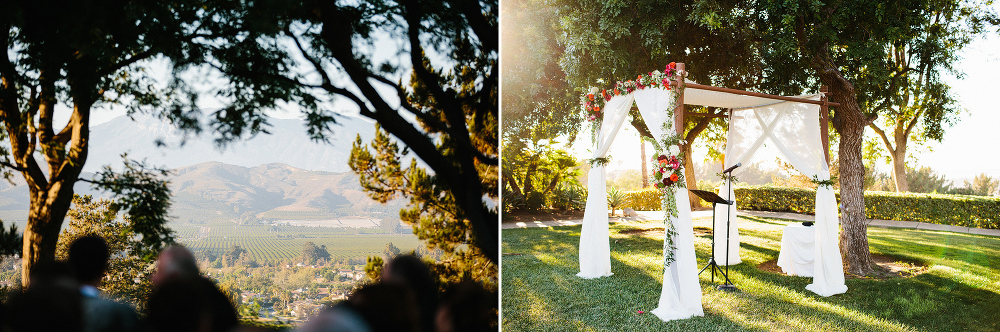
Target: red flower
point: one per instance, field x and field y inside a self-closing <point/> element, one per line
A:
<point x="667" y="182"/>
<point x="590" y="96"/>
<point x="674" y="178"/>
<point x="617" y="92"/>
<point x="640" y="77"/>
<point x="597" y="108"/>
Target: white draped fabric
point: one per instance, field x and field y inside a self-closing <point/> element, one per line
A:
<point x="595" y="250"/>
<point x="680" y="296"/>
<point x="794" y="129"/>
<point x="720" y="229"/>
<point x="798" y="245"/>
<point x="681" y="293"/>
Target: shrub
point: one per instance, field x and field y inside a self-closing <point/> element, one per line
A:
<point x="534" y="201"/>
<point x="568" y="196"/>
<point x="957" y="210"/>
<point x="648" y="199"/>
<point x="616" y="198"/>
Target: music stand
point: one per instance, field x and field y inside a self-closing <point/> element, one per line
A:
<point x="715" y="199"/>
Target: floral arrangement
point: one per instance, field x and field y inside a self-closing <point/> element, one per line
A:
<point x="669" y="176"/>
<point x="667" y="168"/>
<point x="593" y="101"/>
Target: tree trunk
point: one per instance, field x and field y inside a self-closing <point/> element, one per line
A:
<point x="689" y="173"/>
<point x="45" y="217"/>
<point x="850" y="123"/>
<point x="528" y="187"/>
<point x="899" y="170"/>
<point x="513" y="184"/>
<point x="644" y="162"/>
<point x="689" y="179"/>
<point x="899" y="158"/>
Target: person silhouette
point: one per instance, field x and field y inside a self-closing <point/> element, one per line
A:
<point x="88" y="259"/>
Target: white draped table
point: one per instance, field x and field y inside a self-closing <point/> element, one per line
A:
<point x="797" y="250"/>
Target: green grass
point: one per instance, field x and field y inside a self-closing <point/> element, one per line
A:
<point x="959" y="292"/>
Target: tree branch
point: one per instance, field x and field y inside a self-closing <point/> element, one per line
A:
<point x="885" y="139"/>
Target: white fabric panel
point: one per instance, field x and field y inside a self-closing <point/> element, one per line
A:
<point x="828" y="269"/>
<point x="794" y="129"/>
<point x="797" y="250"/>
<point x="595" y="250"/>
<point x="653" y="104"/>
<point x="680" y="296"/>
<point x="720" y="229"/>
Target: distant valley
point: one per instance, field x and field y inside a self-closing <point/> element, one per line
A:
<point x="281" y="176"/>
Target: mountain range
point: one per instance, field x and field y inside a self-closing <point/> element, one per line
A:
<point x="277" y="176"/>
<point x="287" y="143"/>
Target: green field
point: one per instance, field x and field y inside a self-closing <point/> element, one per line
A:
<point x="272" y="243"/>
<point x="959" y="292"/>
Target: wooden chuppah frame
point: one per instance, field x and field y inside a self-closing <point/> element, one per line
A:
<point x="679" y="111"/>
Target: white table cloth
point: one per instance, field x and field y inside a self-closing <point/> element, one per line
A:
<point x="797" y="250"/>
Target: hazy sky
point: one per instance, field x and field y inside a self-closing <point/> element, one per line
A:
<point x="969" y="148"/>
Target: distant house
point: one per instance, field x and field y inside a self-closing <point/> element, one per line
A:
<point x="304" y="309"/>
<point x="352" y="274"/>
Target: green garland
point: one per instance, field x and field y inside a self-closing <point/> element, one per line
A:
<point x="824" y="183"/>
<point x="602" y="162"/>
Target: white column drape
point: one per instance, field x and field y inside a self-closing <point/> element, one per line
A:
<point x="794" y="129"/>
<point x="595" y="250"/>
<point x="725" y="191"/>
<point x="680" y="296"/>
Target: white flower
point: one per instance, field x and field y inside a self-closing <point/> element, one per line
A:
<point x="594" y="90"/>
<point x="674" y="150"/>
<point x="656" y="73"/>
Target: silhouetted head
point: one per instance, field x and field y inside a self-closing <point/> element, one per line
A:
<point x="339" y="318"/>
<point x="467" y="306"/>
<point x="409" y="271"/>
<point x="175" y="263"/>
<point x="52" y="301"/>
<point x="88" y="257"/>
<point x="190" y="305"/>
<point x="386" y="307"/>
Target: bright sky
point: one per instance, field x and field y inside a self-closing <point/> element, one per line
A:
<point x="967" y="150"/>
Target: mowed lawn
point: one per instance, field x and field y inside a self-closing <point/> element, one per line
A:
<point x="959" y="292"/>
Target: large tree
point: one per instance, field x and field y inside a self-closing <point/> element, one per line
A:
<point x="539" y="105"/>
<point x="839" y="41"/>
<point x="426" y="71"/>
<point x="61" y="61"/>
<point x="912" y="100"/>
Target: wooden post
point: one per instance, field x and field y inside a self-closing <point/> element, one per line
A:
<point x="679" y="110"/>
<point x="824" y="123"/>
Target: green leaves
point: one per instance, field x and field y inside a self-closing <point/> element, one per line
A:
<point x="142" y="192"/>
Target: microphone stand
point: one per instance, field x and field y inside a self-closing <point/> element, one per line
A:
<point x="728" y="285"/>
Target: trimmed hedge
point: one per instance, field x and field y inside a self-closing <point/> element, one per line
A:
<point x="956" y="210"/>
<point x="644" y="200"/>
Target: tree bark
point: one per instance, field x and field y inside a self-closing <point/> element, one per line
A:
<point x="897" y="152"/>
<point x="850" y="123"/>
<point x="689" y="173"/>
<point x="644" y="162"/>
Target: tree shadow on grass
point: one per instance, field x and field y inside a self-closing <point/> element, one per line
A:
<point x="542" y="291"/>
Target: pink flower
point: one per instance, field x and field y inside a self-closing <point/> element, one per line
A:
<point x="641" y="312"/>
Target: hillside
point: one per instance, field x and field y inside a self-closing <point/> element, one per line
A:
<point x="269" y="192"/>
<point x="287" y="143"/>
<point x="214" y="192"/>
